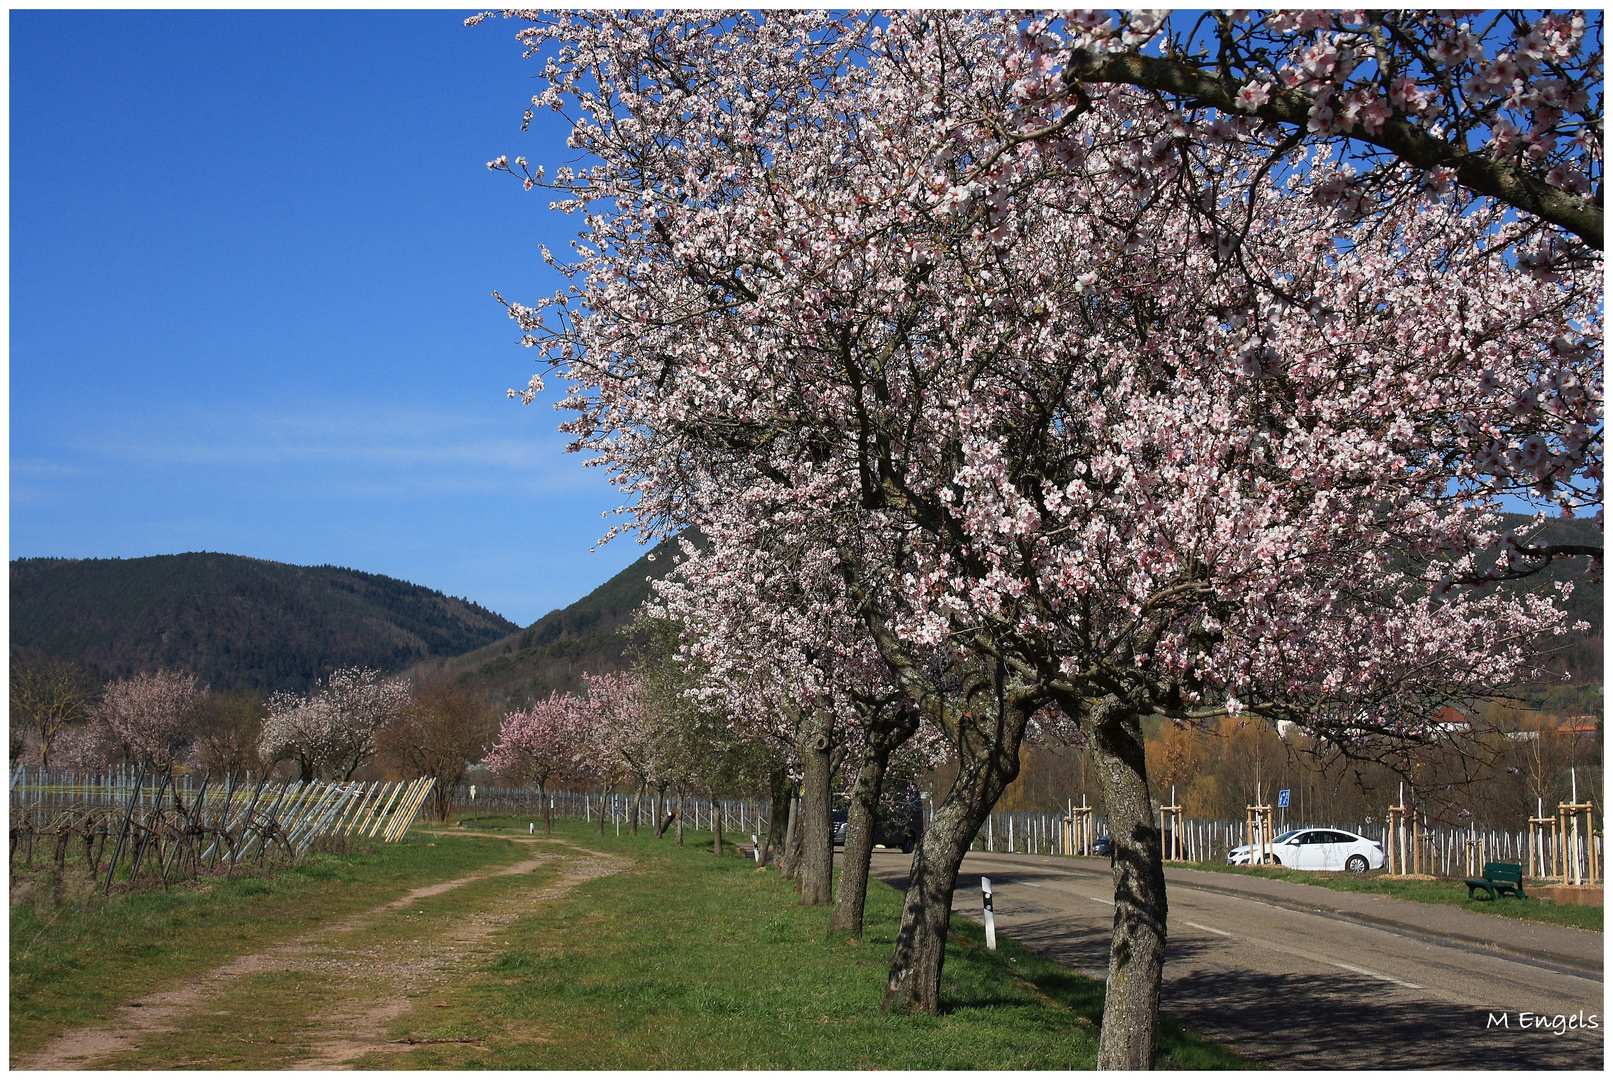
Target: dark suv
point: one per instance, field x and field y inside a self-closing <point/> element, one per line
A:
<point x="897" y="821"/>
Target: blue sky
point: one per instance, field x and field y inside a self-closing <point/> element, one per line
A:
<point x="251" y="263"/>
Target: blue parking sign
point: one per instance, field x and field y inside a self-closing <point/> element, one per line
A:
<point x="1282" y="799"/>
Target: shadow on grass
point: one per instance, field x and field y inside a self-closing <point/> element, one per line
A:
<point x="1176" y="1046"/>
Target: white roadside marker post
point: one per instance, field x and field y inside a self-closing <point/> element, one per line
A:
<point x="991" y="920"/>
<point x="756" y="848"/>
<point x="531" y="827"/>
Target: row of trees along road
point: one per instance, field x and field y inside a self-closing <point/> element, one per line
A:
<point x="1015" y="384"/>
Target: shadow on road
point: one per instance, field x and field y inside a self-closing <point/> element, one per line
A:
<point x="1300" y="1021"/>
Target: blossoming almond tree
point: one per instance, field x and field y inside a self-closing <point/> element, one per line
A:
<point x="1506" y="104"/>
<point x="548" y="742"/>
<point x="765" y="613"/>
<point x="615" y="716"/>
<point x="146" y="714"/>
<point x="768" y="670"/>
<point x="1118" y="461"/>
<point x="334" y="729"/>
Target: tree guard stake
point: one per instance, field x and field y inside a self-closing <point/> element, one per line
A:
<point x="991" y="920"/>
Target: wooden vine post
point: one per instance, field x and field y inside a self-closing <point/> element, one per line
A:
<point x="1257" y="830"/>
<point x="1079" y="827"/>
<point x="1170" y="829"/>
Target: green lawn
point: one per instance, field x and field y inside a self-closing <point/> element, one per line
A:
<point x="684" y="961"/>
<point x="694" y="962"/>
<point x="1449" y="892"/>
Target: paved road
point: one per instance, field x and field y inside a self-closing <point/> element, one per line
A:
<point x="1300" y="976"/>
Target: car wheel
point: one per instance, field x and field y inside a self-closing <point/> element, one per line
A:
<point x="1356" y="864"/>
<point x="907" y="847"/>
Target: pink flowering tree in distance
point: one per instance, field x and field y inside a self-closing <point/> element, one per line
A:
<point x="737" y="710"/>
<point x="615" y="716"/>
<point x="334" y="729"/>
<point x="146" y="715"/>
<point x="629" y="731"/>
<point x="548" y="743"/>
<point x="1068" y="440"/>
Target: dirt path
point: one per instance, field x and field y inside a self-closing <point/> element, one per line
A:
<point x="382" y="981"/>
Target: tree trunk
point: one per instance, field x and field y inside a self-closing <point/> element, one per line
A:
<point x="663" y="812"/>
<point x="638" y="799"/>
<point x="816" y="826"/>
<point x="602" y="795"/>
<point x="862" y="816"/>
<point x="1137" y="951"/>
<point x="777" y="813"/>
<point x="716" y="829"/>
<point x="791" y="858"/>
<point x="682" y="798"/>
<point x="548" y="807"/>
<point x="989" y="734"/>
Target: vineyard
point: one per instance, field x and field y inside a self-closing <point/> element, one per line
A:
<point x="136" y="827"/>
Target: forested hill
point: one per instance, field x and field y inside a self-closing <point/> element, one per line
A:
<point x="1580" y="653"/>
<point x="236" y="622"/>
<point x="554" y="652"/>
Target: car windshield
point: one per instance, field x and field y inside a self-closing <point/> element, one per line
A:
<point x="1289" y="835"/>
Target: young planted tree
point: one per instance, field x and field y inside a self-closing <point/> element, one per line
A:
<point x="1075" y="442"/>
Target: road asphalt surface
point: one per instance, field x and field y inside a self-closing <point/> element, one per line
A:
<point x="1305" y="977"/>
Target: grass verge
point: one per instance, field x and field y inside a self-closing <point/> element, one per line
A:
<point x="1451" y="893"/>
<point x="693" y="962"/>
<point x="74" y="961"/>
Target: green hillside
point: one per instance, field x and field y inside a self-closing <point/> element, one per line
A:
<point x="554" y="652"/>
<point x="238" y="623"/>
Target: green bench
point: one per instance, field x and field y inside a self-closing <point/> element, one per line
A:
<point x="1499" y="877"/>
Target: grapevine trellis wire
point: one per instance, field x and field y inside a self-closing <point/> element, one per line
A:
<point x="737" y="815"/>
<point x="158" y="826"/>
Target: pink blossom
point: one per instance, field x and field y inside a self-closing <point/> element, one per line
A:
<point x="1253" y="95"/>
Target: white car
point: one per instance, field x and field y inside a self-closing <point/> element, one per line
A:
<point x="1319" y="849"/>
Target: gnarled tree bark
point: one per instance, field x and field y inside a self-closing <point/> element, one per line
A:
<point x="781" y="792"/>
<point x="986" y="731"/>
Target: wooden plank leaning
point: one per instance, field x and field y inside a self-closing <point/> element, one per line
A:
<point x="399" y="828"/>
<point x="385" y="808"/>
